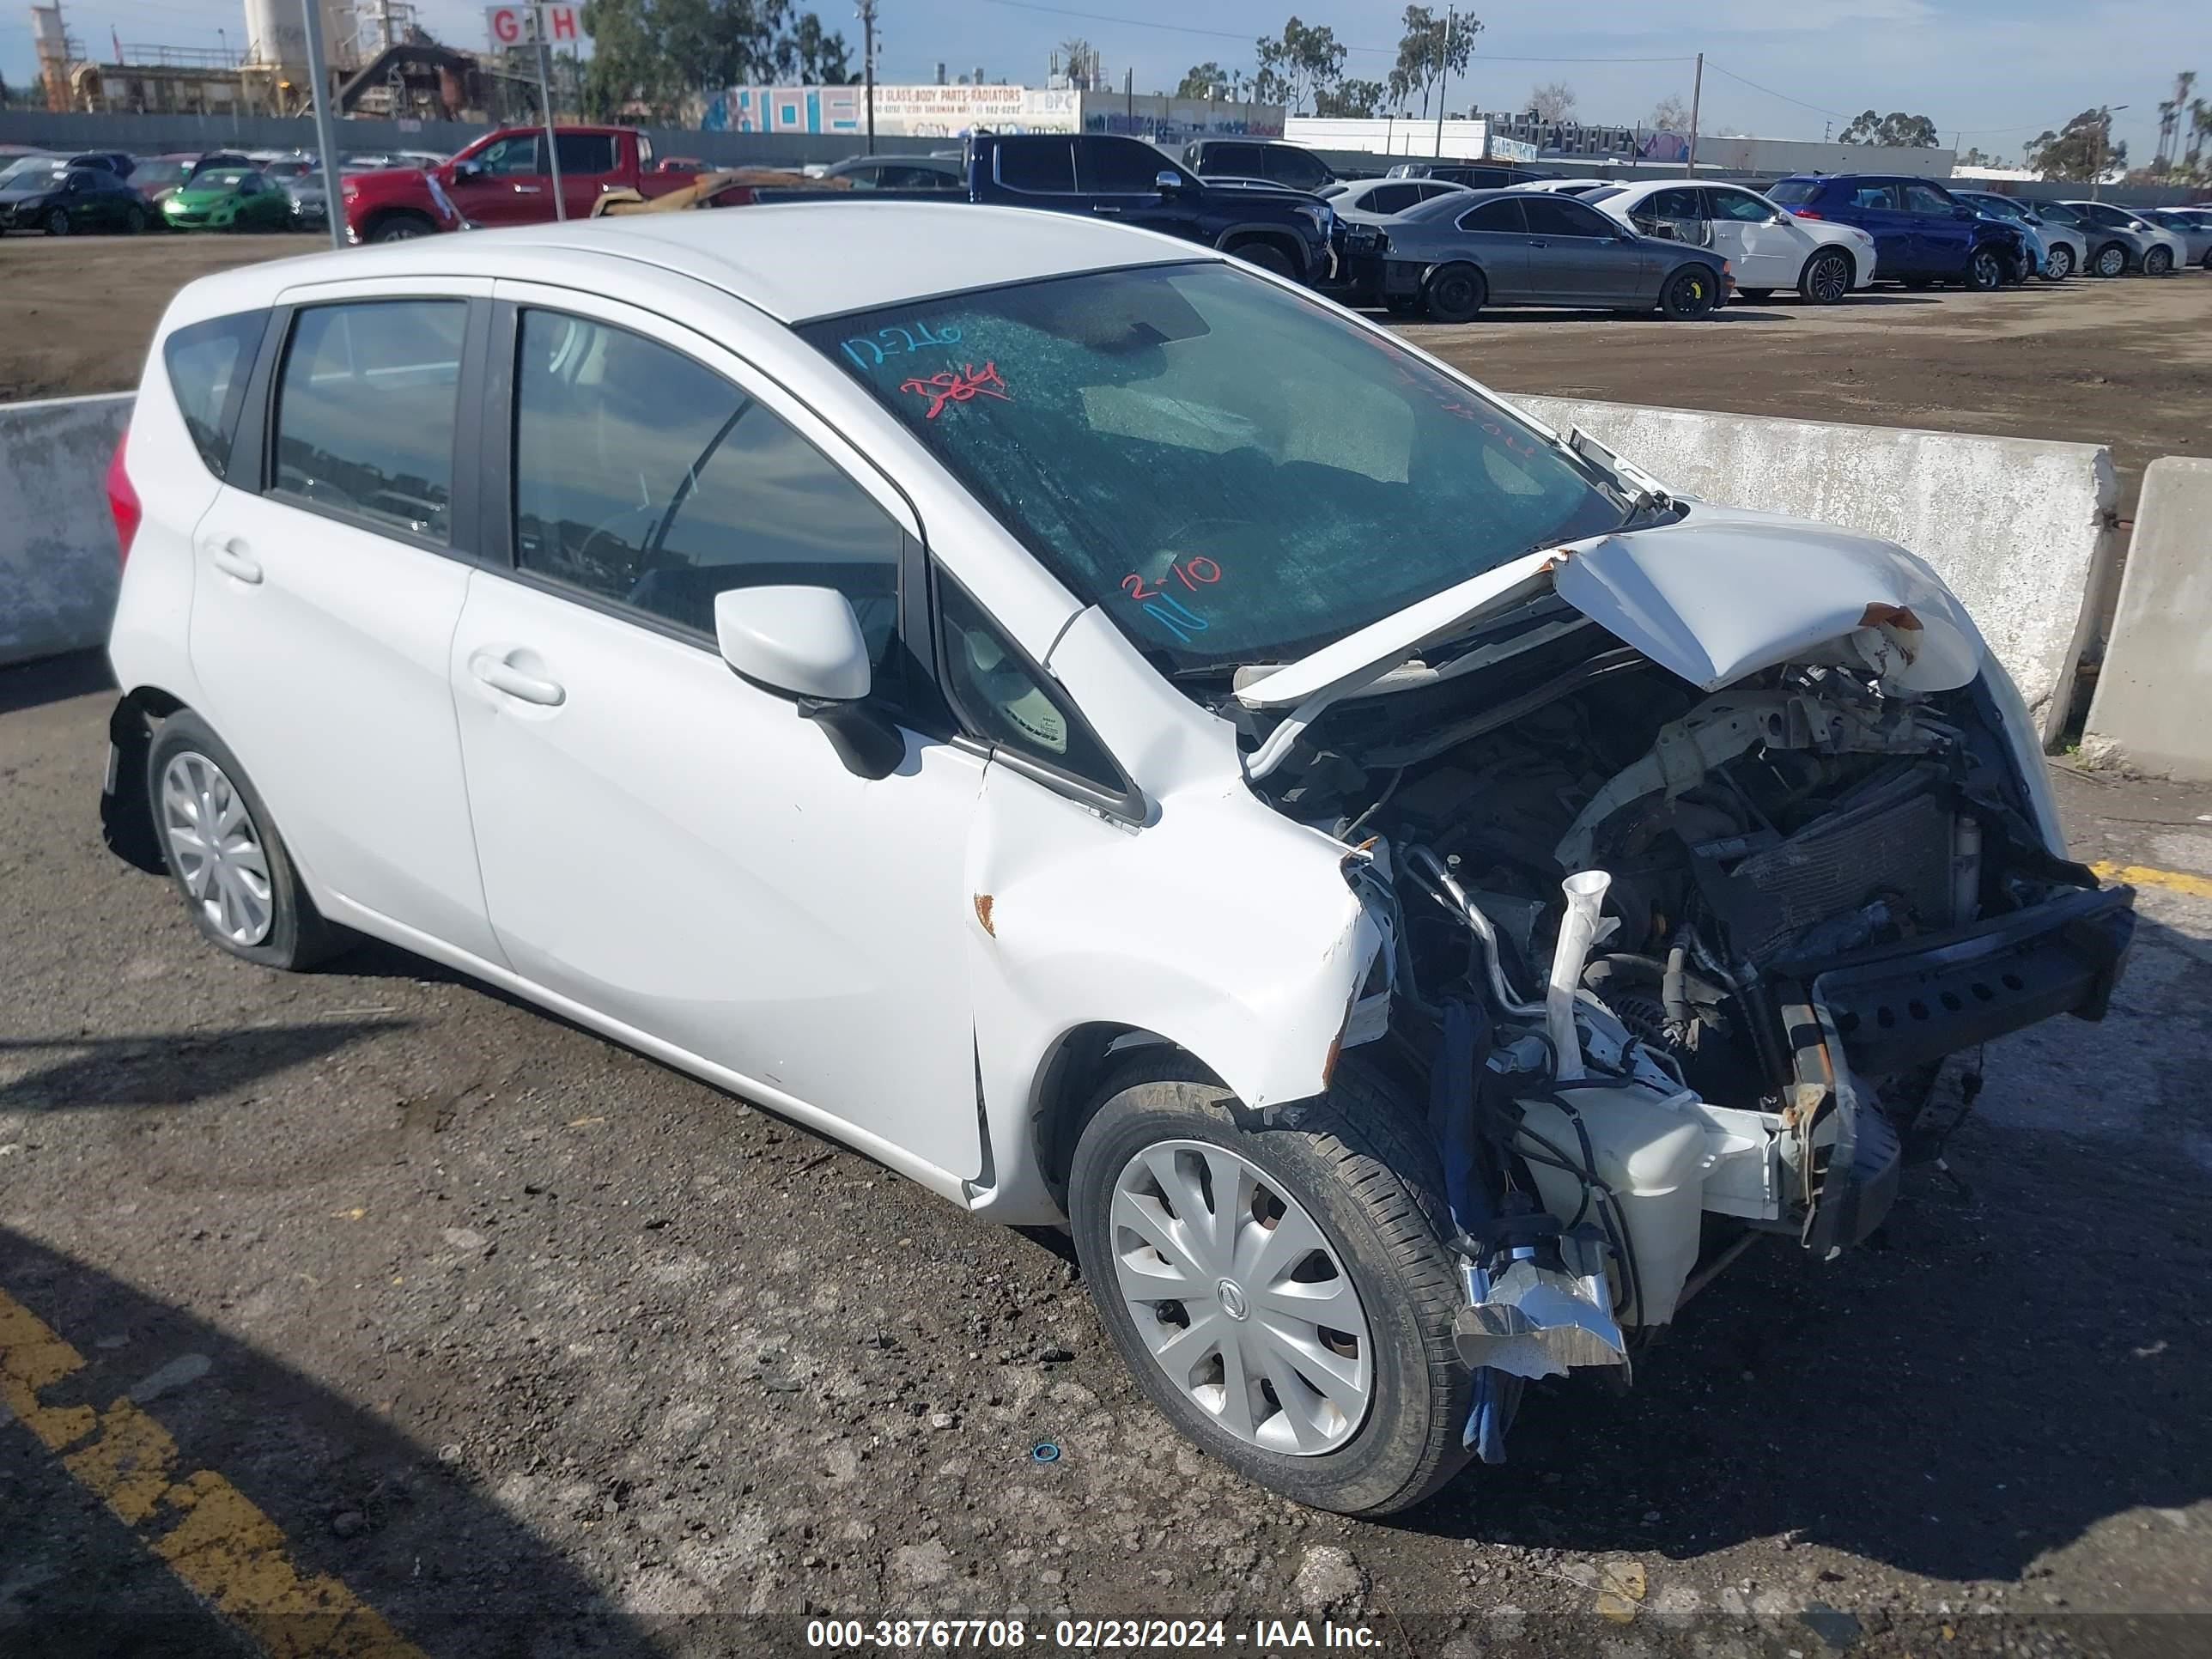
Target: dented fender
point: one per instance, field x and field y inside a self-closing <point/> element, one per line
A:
<point x="1081" y="918"/>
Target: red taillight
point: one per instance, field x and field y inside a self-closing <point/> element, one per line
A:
<point x="123" y="501"/>
<point x="1805" y="212"/>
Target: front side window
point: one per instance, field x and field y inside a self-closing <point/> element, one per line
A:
<point x="208" y="364"/>
<point x="1926" y="198"/>
<point x="365" y="411"/>
<point x="1503" y="214"/>
<point x="1121" y="166"/>
<point x="1294" y="168"/>
<point x="1550" y="214"/>
<point x="643" y="478"/>
<point x="1391" y="198"/>
<point x="516" y="154"/>
<point x="1220" y="513"/>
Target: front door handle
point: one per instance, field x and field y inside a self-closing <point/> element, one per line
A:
<point x="232" y="559"/>
<point x="529" y="190"/>
<point x="503" y="675"/>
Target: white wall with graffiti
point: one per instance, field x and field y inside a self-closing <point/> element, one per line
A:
<point x="935" y="112"/>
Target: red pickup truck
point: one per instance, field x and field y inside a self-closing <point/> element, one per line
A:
<point x="503" y="178"/>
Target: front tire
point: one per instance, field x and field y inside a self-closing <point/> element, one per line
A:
<point x="1454" y="294"/>
<point x="229" y="864"/>
<point x="2159" y="262"/>
<point x="2060" y="263"/>
<point x="1985" y="272"/>
<point x="1826" y="278"/>
<point x="401" y="228"/>
<point x="1283" y="1296"/>
<point x="1267" y="256"/>
<point x="1690" y="293"/>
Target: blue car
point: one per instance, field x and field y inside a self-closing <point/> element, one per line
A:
<point x="1922" y="233"/>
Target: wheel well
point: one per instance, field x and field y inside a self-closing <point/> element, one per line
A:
<point x="1082" y="1060"/>
<point x="126" y="819"/>
<point x="386" y="216"/>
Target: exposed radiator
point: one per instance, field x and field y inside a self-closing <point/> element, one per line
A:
<point x="1895" y="840"/>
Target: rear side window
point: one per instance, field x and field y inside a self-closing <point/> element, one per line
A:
<point x="1045" y="166"/>
<point x="646" y="479"/>
<point x="208" y="364"/>
<point x="581" y="153"/>
<point x="365" y="411"/>
<point x="1392" y="198"/>
<point x="1791" y="192"/>
<point x="1233" y="160"/>
<point x="1294" y="168"/>
<point x="1873" y="196"/>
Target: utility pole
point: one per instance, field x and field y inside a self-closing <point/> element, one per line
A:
<point x="545" y="109"/>
<point x="867" y="11"/>
<point x="1696" y="97"/>
<point x="1444" y="78"/>
<point x="327" y="138"/>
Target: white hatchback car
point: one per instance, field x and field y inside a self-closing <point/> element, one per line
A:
<point x="1767" y="247"/>
<point x="1112" y="736"/>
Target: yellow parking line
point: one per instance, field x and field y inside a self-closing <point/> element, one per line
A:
<point x="208" y="1531"/>
<point x="2144" y="875"/>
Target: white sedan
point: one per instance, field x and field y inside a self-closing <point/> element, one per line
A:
<point x="1365" y="201"/>
<point x="1112" y="737"/>
<point x="1766" y="246"/>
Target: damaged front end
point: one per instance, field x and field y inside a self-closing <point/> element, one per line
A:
<point x="1700" y="848"/>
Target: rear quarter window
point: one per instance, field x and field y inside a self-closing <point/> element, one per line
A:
<point x="1791" y="192"/>
<point x="208" y="365"/>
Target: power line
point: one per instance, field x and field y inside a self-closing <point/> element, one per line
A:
<point x="1231" y="34"/>
<point x="1816" y="108"/>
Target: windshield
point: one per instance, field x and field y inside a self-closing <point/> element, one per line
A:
<point x="1603" y="193"/>
<point x="152" y="175"/>
<point x="1236" y="474"/>
<point x="221" y="178"/>
<point x="31" y="171"/>
<point x="1790" y="191"/>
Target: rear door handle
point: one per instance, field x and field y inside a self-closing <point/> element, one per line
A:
<point x="503" y="675"/>
<point x="232" y="559"/>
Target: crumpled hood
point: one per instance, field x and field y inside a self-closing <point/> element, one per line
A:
<point x="1713" y="597"/>
<point x="1722" y="594"/>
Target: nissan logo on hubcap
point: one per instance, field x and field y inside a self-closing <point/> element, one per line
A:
<point x="1232" y="1298"/>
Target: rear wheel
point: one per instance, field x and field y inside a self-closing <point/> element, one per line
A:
<point x="1266" y="255"/>
<point x="2158" y="262"/>
<point x="1284" y="1296"/>
<point x="1826" y="278"/>
<point x="223" y="851"/>
<point x="134" y="220"/>
<point x="2060" y="264"/>
<point x="1455" y="294"/>
<point x="1985" y="270"/>
<point x="2111" y="260"/>
<point x="1691" y="293"/>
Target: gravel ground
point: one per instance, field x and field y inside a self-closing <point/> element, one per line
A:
<point x="536" y="1347"/>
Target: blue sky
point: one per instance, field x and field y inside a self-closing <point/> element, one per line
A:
<point x="1997" y="70"/>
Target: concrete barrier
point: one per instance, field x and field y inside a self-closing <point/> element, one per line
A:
<point x="58" y="563"/>
<point x="2153" y="704"/>
<point x="2020" y="529"/>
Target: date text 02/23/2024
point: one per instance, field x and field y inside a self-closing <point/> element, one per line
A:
<point x="1256" y="1636"/>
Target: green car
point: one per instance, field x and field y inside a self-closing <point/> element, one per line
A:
<point x="228" y="198"/>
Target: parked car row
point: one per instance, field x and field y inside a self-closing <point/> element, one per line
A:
<point x="93" y="191"/>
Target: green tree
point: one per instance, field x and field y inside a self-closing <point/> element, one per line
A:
<point x="1202" y="80"/>
<point x="1304" y="62"/>
<point x="1350" y="99"/>
<point x="1431" y="48"/>
<point x="1896" y="130"/>
<point x="2080" y="151"/>
<point x="812" y="57"/>
<point x="649" y="56"/>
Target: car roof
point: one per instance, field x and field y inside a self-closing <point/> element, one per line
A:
<point x="796" y="261"/>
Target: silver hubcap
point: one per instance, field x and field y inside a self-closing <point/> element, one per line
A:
<point x="1828" y="279"/>
<point x="2062" y="262"/>
<point x="215" y="849"/>
<point x="2111" y="262"/>
<point x="1240" y="1298"/>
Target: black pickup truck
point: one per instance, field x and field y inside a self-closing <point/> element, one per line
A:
<point x="1285" y="231"/>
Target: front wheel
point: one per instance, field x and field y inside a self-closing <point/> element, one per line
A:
<point x="1985" y="272"/>
<point x="2111" y="260"/>
<point x="58" y="222"/>
<point x="2059" y="265"/>
<point x="1826" y="278"/>
<point x="2158" y="262"/>
<point x="1691" y="293"/>
<point x="1266" y="255"/>
<point x="1455" y="294"/>
<point x="1283" y="1296"/>
<point x="400" y="228"/>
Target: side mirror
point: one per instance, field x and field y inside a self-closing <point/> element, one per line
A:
<point x="466" y="173"/>
<point x="1165" y="179"/>
<point x="805" y="644"/>
<point x="1781" y="217"/>
<point x="1962" y="211"/>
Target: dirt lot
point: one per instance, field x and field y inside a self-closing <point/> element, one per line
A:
<point x="476" y="1328"/>
<point x="2127" y="363"/>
